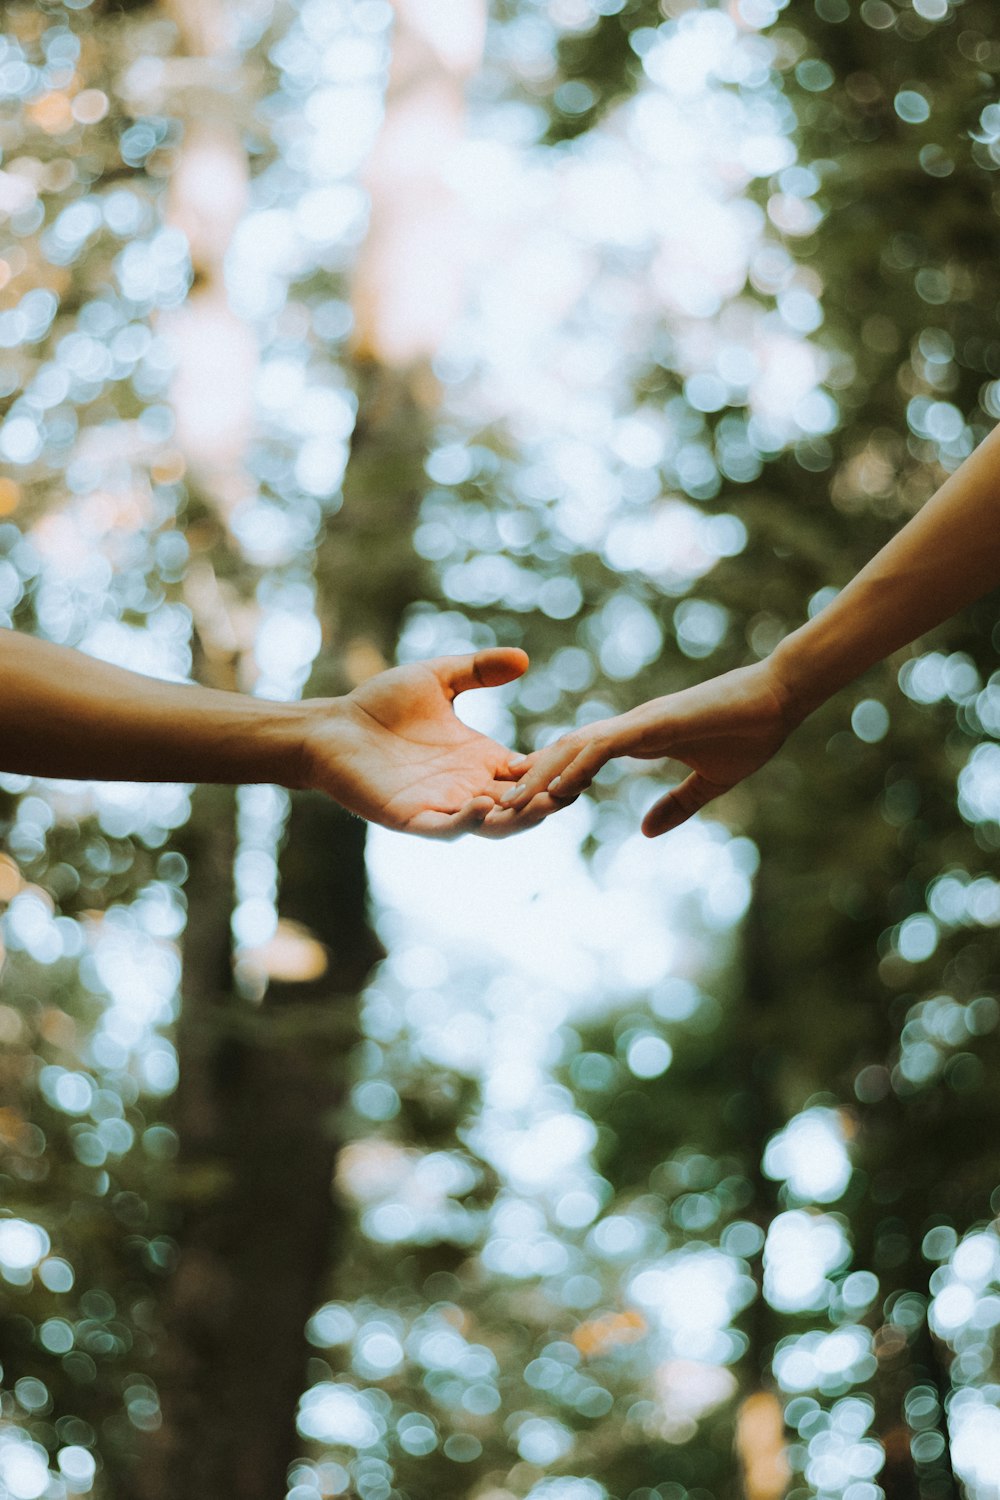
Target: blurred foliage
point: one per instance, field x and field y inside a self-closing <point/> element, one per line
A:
<point x="601" y="1331"/>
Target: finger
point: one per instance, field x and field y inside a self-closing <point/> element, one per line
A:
<point x="489" y="668"/>
<point x="512" y="770"/>
<point x="433" y="824"/>
<point x="542" y="767"/>
<point x="564" y="771"/>
<point x="518" y="765"/>
<point x="503" y="822"/>
<point x="580" y="772"/>
<point x="680" y="804"/>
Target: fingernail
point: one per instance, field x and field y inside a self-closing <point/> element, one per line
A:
<point x="511" y="794"/>
<point x="555" y="783"/>
<point x="516" y="761"/>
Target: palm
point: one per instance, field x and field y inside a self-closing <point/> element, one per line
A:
<point x="413" y="753"/>
<point x="399" y="755"/>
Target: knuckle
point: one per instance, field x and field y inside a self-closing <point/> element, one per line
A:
<point x="571" y="744"/>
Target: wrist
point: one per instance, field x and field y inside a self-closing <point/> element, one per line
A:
<point x="276" y="746"/>
<point x="792" y="678"/>
<point x="319" y="739"/>
<point x="235" y="738"/>
<point x="865" y="623"/>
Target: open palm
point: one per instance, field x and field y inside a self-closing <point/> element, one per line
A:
<point x="395" y="752"/>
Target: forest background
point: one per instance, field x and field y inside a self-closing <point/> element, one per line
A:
<point x="579" y="1166"/>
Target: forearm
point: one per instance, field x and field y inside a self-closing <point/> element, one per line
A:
<point x="64" y="714"/>
<point x="946" y="557"/>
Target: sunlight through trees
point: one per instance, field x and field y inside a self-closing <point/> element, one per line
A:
<point x="579" y="1167"/>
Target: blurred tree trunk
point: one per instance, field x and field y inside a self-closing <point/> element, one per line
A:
<point x="261" y="1083"/>
<point x="253" y="1212"/>
<point x="753" y="1108"/>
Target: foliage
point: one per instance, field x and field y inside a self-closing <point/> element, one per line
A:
<point x="828" y="1001"/>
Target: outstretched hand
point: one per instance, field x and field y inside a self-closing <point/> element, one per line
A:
<point x="395" y="752"/>
<point x="722" y="730"/>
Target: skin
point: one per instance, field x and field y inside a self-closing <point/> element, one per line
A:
<point x="393" y="750"/>
<point x="726" y="728"/>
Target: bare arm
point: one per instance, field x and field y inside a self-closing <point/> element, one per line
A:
<point x="392" y="751"/>
<point x="63" y="713"/>
<point x="947" y="556"/>
<point x="724" y="729"/>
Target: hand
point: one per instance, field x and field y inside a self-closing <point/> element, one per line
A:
<point x="395" y="752"/>
<point x="722" y="729"/>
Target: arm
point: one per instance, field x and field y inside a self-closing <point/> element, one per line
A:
<point x="392" y="751"/>
<point x="944" y="558"/>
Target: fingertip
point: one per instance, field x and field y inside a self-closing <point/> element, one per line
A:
<point x="468" y="819"/>
<point x="570" y="784"/>
<point x="499" y="664"/>
<point x="660" y="819"/>
<point x="478" y="669"/>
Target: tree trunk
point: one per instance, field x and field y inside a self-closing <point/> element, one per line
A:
<point x="253" y="1210"/>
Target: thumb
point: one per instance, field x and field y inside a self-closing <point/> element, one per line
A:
<point x="489" y="668"/>
<point x="679" y="804"/>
